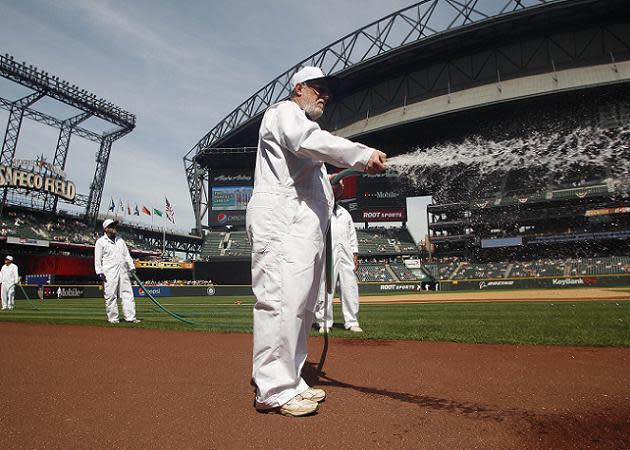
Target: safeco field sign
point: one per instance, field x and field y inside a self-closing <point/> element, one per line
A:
<point x="35" y="181"/>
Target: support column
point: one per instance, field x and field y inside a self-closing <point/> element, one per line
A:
<point x="96" y="188"/>
<point x="16" y="114"/>
<point x="61" y="153"/>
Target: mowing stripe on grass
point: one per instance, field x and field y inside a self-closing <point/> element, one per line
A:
<point x="601" y="323"/>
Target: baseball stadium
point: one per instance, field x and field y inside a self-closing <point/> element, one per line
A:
<point x="504" y="323"/>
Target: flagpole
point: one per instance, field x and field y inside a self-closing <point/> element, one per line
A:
<point x="163" y="235"/>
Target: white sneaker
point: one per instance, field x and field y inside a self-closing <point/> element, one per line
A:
<point x="134" y="321"/>
<point x="356" y="329"/>
<point x="323" y="330"/>
<point x="115" y="321"/>
<point x="298" y="406"/>
<point x="3" y="309"/>
<point x="314" y="394"/>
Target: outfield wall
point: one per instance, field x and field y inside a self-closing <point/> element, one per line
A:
<point x="490" y="284"/>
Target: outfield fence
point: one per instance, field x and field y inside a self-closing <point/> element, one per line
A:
<point x="486" y="284"/>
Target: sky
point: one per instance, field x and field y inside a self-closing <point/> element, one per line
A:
<point x="180" y="67"/>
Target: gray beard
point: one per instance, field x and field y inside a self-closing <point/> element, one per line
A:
<point x="313" y="112"/>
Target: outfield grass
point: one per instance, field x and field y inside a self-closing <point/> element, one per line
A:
<point x="600" y="323"/>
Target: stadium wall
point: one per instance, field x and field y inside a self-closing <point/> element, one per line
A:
<point x="488" y="284"/>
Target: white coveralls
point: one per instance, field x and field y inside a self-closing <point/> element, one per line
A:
<point x="344" y="244"/>
<point x="8" y="277"/>
<point x="287" y="218"/>
<point x="112" y="259"/>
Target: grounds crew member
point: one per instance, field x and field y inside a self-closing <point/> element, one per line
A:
<point x="345" y="256"/>
<point x="287" y="218"/>
<point x="9" y="277"/>
<point x="113" y="264"/>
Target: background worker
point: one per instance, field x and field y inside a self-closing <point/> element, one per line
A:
<point x="345" y="259"/>
<point x="113" y="264"/>
<point x="287" y="219"/>
<point x="9" y="277"/>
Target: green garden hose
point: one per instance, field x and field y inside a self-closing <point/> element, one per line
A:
<point x="173" y="314"/>
<point x="27" y="298"/>
<point x="330" y="272"/>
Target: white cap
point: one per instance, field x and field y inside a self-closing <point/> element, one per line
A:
<point x="108" y="222"/>
<point x="9" y="257"/>
<point x="307" y="73"/>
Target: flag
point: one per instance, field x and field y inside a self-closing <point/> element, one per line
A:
<point x="136" y="212"/>
<point x="128" y="208"/>
<point x="145" y="210"/>
<point x="170" y="214"/>
<point x="157" y="212"/>
<point x="112" y="206"/>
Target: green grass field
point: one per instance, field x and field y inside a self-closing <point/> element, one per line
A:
<point x="601" y="323"/>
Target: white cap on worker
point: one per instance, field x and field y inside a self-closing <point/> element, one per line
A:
<point x="307" y="73"/>
<point x="9" y="257"/>
<point x="108" y="222"/>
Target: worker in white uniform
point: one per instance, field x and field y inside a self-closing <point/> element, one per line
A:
<point x="345" y="258"/>
<point x="113" y="265"/>
<point x="287" y="219"/>
<point x="9" y="277"/>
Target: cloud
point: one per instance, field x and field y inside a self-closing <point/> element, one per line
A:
<point x="179" y="66"/>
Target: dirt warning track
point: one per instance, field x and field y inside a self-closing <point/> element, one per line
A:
<point x="88" y="387"/>
<point x="484" y="296"/>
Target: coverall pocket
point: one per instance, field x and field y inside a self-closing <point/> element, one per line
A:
<point x="266" y="277"/>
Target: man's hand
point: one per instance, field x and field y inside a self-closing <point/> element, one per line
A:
<point x="101" y="276"/>
<point x="356" y="262"/>
<point x="376" y="163"/>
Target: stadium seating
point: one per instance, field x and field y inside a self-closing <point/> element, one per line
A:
<point x="238" y="245"/>
<point x="386" y="241"/>
<point x="444" y="269"/>
<point x="457" y="269"/>
<point x="374" y="273"/>
<point x="403" y="273"/>
<point x="469" y="270"/>
<point x="599" y="266"/>
<point x="539" y="268"/>
<point x="212" y="245"/>
<point x="226" y="244"/>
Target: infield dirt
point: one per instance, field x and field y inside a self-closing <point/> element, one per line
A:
<point x="67" y="387"/>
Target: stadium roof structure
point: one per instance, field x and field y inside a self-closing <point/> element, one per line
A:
<point x="382" y="63"/>
<point x="44" y="85"/>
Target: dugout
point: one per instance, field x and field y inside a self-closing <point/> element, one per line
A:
<point x="224" y="272"/>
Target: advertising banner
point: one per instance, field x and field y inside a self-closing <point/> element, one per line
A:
<point x="61" y="292"/>
<point x="382" y="190"/>
<point x="534" y="283"/>
<point x="502" y="242"/>
<point x="230" y="190"/>
<point x="27" y="241"/>
<point x="163" y="264"/>
<point x="385" y="215"/>
<point x="156" y="291"/>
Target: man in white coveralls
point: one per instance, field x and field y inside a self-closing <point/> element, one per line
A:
<point x="9" y="277"/>
<point x="287" y="218"/>
<point x="345" y="251"/>
<point x="113" y="264"/>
